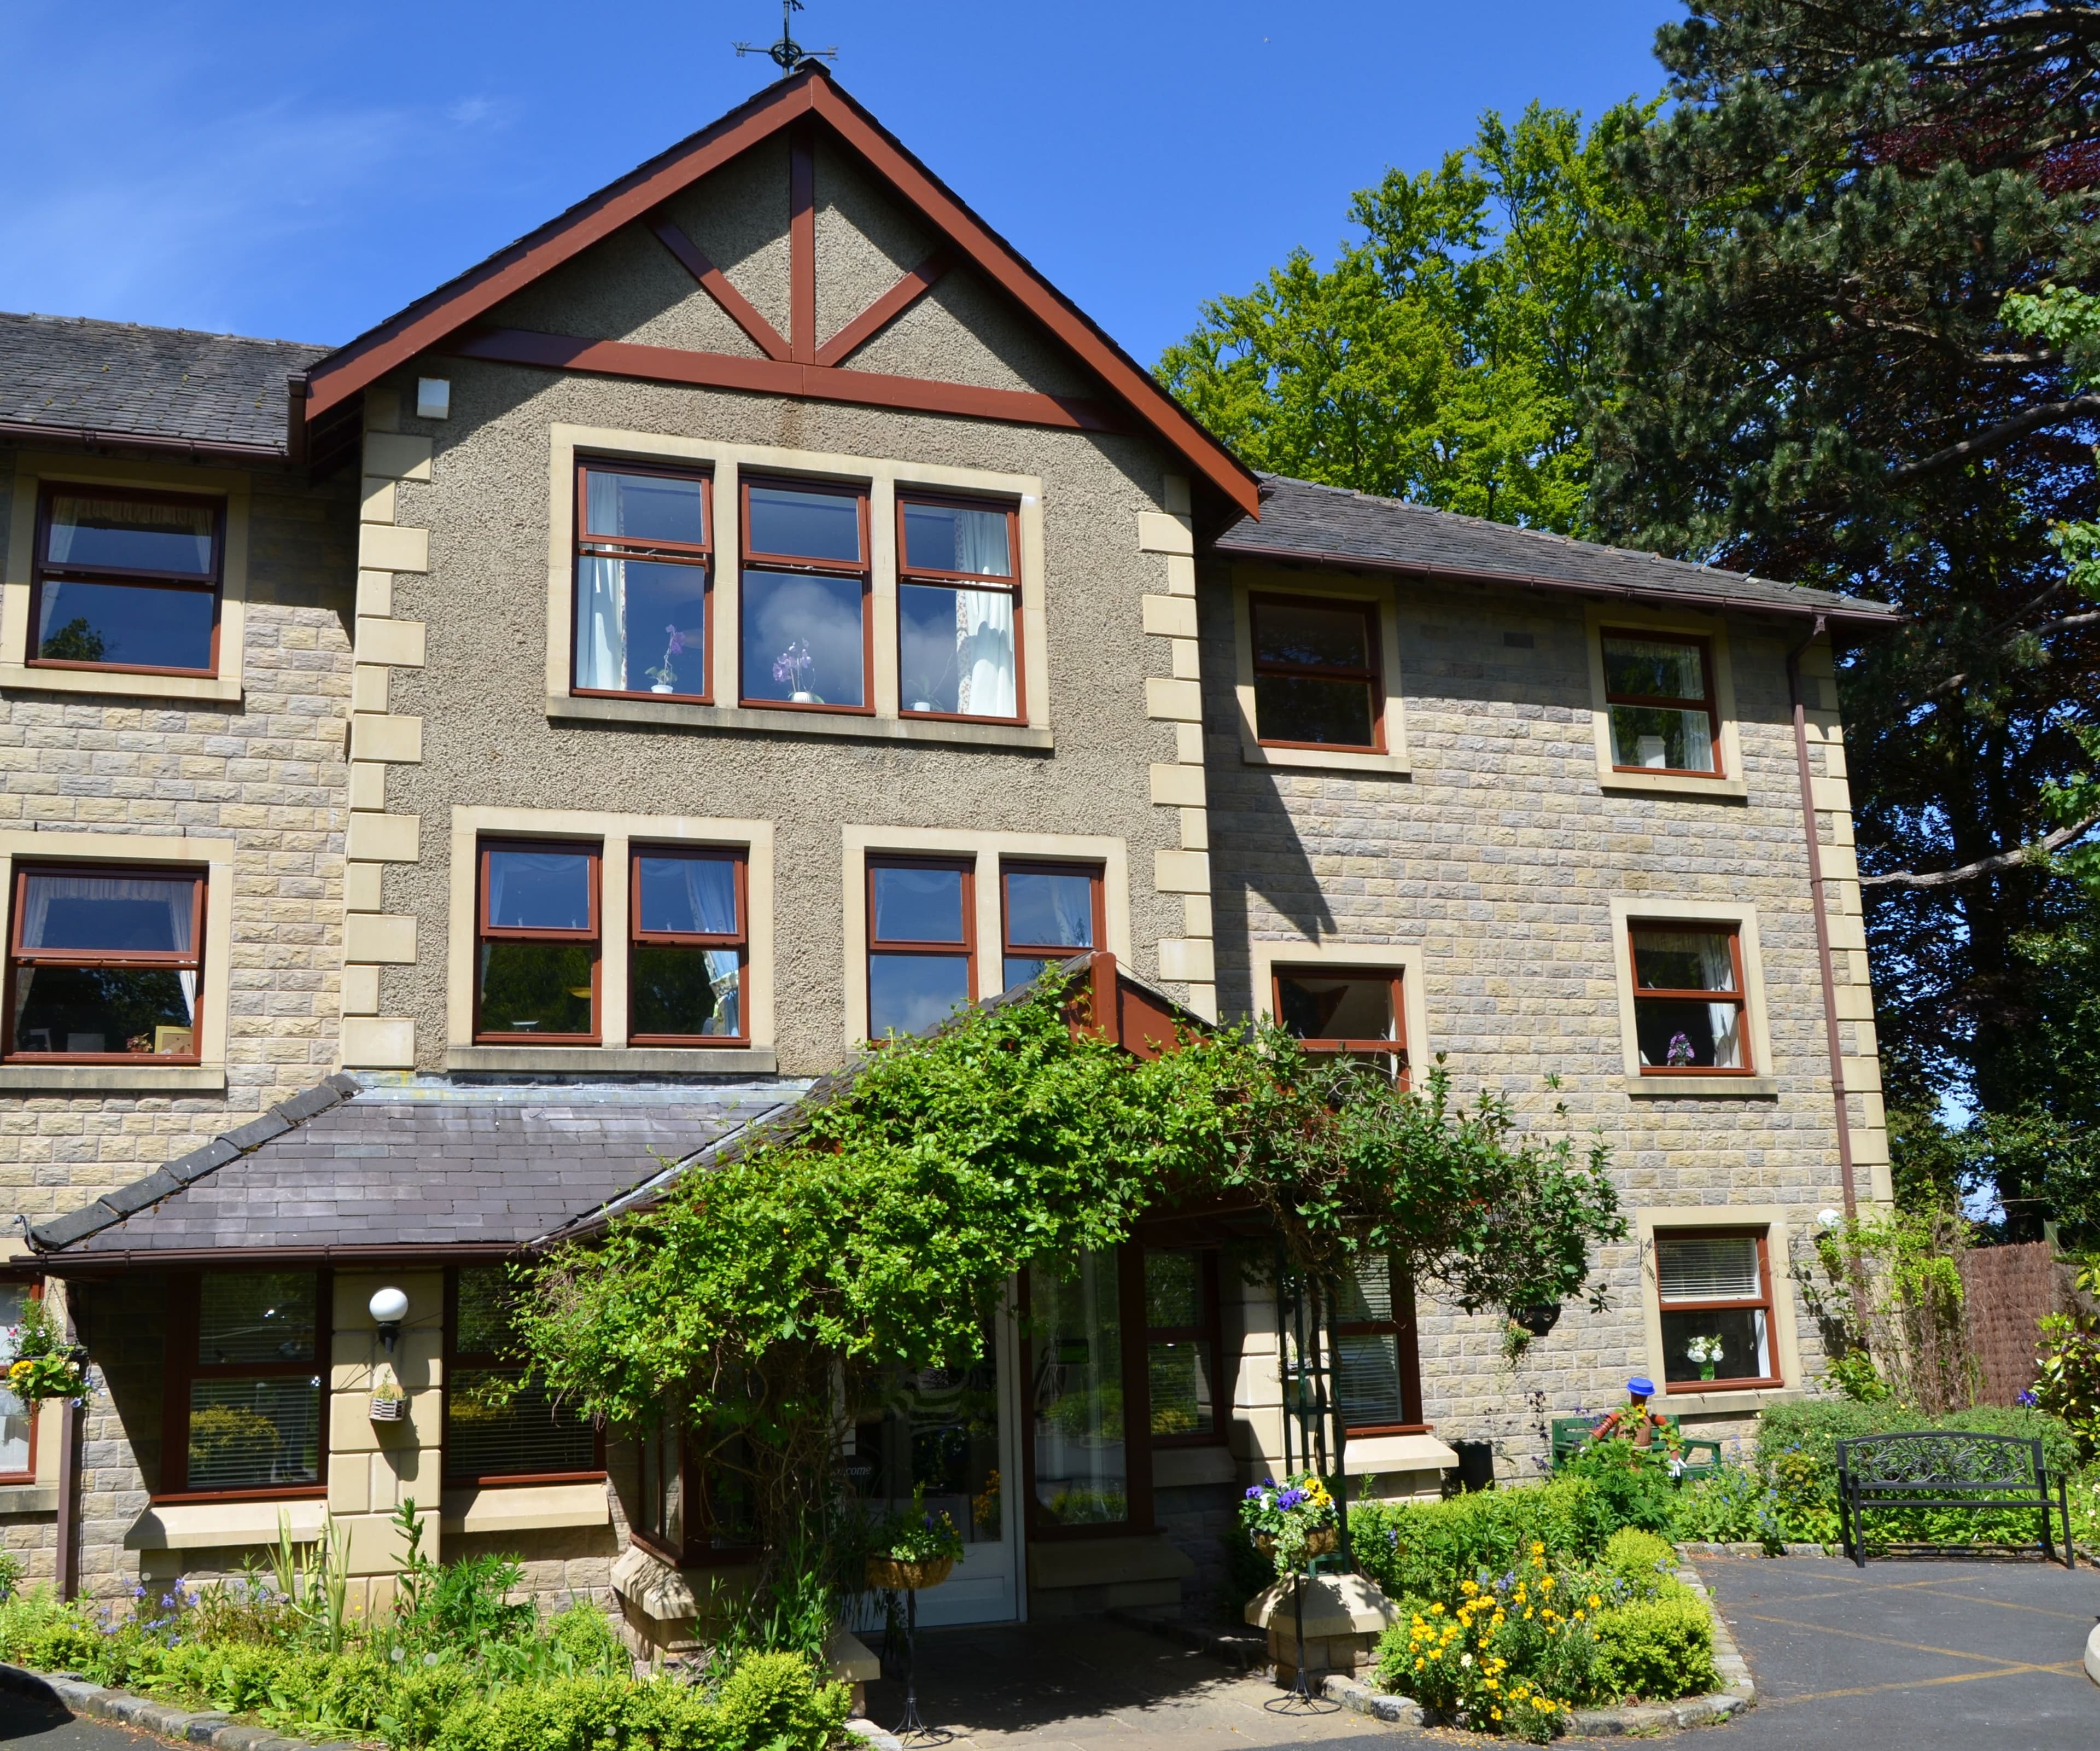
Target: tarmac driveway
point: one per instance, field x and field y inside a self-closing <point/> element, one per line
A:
<point x="1911" y="1654"/>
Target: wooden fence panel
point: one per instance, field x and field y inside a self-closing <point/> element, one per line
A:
<point x="2007" y="1289"/>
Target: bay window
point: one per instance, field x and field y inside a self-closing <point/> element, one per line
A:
<point x="126" y="579"/>
<point x="1080" y="1470"/>
<point x="243" y="1412"/>
<point x="958" y="609"/>
<point x="805" y="585"/>
<point x="643" y="563"/>
<point x="1182" y="1346"/>
<point x="104" y="963"/>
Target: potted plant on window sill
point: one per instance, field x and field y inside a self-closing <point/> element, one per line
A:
<point x="913" y="1549"/>
<point x="1291" y="1523"/>
<point x="665" y="679"/>
<point x="388" y="1403"/>
<point x="1707" y="1352"/>
<point x="793" y="668"/>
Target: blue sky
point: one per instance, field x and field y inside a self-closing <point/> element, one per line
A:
<point x="301" y="172"/>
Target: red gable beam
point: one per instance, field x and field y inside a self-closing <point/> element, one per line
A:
<point x="716" y="284"/>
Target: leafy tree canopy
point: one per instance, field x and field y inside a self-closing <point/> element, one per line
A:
<point x="1440" y="358"/>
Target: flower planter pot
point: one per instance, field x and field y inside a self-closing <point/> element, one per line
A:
<point x="1323" y="1542"/>
<point x="888" y="1574"/>
<point x="389" y="1410"/>
<point x="661" y="687"/>
<point x="804" y="696"/>
<point x="1706" y="1370"/>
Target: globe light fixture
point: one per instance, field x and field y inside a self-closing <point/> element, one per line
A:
<point x="1828" y="1219"/>
<point x="389" y="1307"/>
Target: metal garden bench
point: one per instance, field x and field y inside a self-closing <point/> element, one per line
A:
<point x="1944" y="1469"/>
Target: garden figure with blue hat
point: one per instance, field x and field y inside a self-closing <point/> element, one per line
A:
<point x="1634" y="1420"/>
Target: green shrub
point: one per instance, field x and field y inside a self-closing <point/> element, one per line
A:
<point x="1424" y="1550"/>
<point x="1630" y="1488"/>
<point x="1643" y="1564"/>
<point x="773" y="1702"/>
<point x="585" y="1714"/>
<point x="1654" y="1648"/>
<point x="1732" y="1504"/>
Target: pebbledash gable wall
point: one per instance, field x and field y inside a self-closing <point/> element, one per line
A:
<point x="266" y="775"/>
<point x="1497" y="856"/>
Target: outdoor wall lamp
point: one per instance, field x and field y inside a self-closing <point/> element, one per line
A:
<point x="389" y="1307"/>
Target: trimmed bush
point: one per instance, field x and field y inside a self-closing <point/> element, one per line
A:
<point x="1655" y="1649"/>
<point x="1643" y="1563"/>
<point x="1424" y="1550"/>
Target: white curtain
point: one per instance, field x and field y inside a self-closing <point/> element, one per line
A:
<point x="711" y="893"/>
<point x="601" y="620"/>
<point x="980" y="544"/>
<point x="72" y="517"/>
<point x="984" y="653"/>
<point x="1717" y="971"/>
<point x="1072" y="902"/>
<point x="45" y="890"/>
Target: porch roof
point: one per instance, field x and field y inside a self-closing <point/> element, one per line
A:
<point x="347" y="1170"/>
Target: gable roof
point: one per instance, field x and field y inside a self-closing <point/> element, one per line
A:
<point x="810" y="92"/>
<point x="75" y="379"/>
<point x="1305" y="524"/>
<point x="343" y="1170"/>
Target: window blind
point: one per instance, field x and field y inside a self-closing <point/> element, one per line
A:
<point x="1711" y="1267"/>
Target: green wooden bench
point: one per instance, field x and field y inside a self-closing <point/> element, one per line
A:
<point x="1701" y="1455"/>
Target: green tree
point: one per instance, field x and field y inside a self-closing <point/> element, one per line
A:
<point x="1824" y="382"/>
<point x="1442" y="357"/>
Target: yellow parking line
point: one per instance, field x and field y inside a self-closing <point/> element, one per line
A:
<point x="1884" y="1641"/>
<point x="1769" y="1701"/>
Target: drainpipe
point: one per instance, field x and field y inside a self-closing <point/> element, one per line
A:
<point x="68" y="1529"/>
<point x="1822" y="916"/>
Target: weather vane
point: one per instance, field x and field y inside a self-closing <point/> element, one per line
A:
<point x="788" y="52"/>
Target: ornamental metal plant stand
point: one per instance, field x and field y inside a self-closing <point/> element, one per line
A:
<point x="1304" y="1349"/>
<point x="913" y="1730"/>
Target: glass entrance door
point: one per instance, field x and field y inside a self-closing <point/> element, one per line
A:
<point x="948" y="1429"/>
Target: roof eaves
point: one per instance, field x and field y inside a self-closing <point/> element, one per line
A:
<point x="172" y="1176"/>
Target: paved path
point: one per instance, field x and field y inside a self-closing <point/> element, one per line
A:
<point x="42" y="1726"/>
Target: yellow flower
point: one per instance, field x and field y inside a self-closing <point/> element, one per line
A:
<point x="1578" y="1616"/>
<point x="1495" y="1713"/>
<point x="1546" y="1582"/>
<point x="1595" y="1601"/>
<point x="1537" y="1550"/>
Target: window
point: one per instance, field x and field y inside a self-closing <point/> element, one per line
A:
<point x="1181" y="1346"/>
<point x="1688" y="999"/>
<point x="1345" y="1010"/>
<point x="1079" y="1472"/>
<point x="1659" y="693"/>
<point x="245" y="1400"/>
<point x="922" y="943"/>
<point x="958" y="603"/>
<point x="1052" y="912"/>
<point x="804" y="585"/>
<point x="685" y="982"/>
<point x="643" y="570"/>
<point x="496" y="1430"/>
<point x="18" y="1422"/>
<point x="1715" y="1295"/>
<point x="1378" y="1369"/>
<point x="693" y="1511"/>
<point x="104" y="964"/>
<point x="536" y="952"/>
<point x="935" y="1429"/>
<point x="1316" y="673"/>
<point x="127" y="580"/>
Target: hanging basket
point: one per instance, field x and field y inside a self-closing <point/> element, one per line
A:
<point x="1324" y="1541"/>
<point x="886" y="1574"/>
<point x="389" y="1410"/>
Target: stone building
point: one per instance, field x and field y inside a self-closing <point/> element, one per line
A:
<point x="452" y="777"/>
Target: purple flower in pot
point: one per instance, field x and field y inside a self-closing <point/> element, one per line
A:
<point x="666" y="677"/>
<point x="792" y="669"/>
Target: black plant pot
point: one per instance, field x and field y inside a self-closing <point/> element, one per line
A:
<point x="1539" y="1320"/>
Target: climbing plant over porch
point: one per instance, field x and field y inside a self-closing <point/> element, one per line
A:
<point x="877" y="1227"/>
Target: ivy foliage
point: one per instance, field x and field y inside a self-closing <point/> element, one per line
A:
<point x="876" y="1227"/>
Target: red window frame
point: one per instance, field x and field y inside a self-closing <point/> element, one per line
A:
<point x="738" y="939"/>
<point x="42" y="570"/>
<point x="486" y="932"/>
<point x="693" y="1549"/>
<point x="1010" y="948"/>
<point x="1370" y="675"/>
<point x="28" y="1475"/>
<point x="1209" y="1330"/>
<point x="1761" y="1303"/>
<point x="966" y="951"/>
<point x="863" y="571"/>
<point x="1739" y="998"/>
<point x="701" y="557"/>
<point x="456" y="1359"/>
<point x="181" y="1368"/>
<point x="1706" y="703"/>
<point x="1407" y="1350"/>
<point x="19" y="957"/>
<point x="908" y="574"/>
<point x="1393" y="1051"/>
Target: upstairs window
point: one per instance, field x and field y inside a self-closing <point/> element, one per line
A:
<point x="243" y="1395"/>
<point x="805" y="584"/>
<point x="1688" y="1008"/>
<point x="499" y="1428"/>
<point x="922" y="943"/>
<point x="1659" y="693"/>
<point x="690" y="948"/>
<point x="1052" y="912"/>
<point x="127" y="580"/>
<point x="644" y="564"/>
<point x="1377" y="1366"/>
<point x="536" y="947"/>
<point x="958" y="608"/>
<point x="1340" y="1010"/>
<point x="1316" y="683"/>
<point x="1714" y="1292"/>
<point x="104" y="963"/>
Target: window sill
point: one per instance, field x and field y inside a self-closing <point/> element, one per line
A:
<point x="113" y="1079"/>
<point x="28" y="1498"/>
<point x="602" y="1060"/>
<point x="215" y="1525"/>
<point x="1722" y="789"/>
<point x="1736" y="1403"/>
<point x="1118" y="1555"/>
<point x="1376" y="1455"/>
<point x="670" y="715"/>
<point x="521" y="1508"/>
<point x="219" y="689"/>
<point x="1701" y="1087"/>
<point x="1323" y="759"/>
